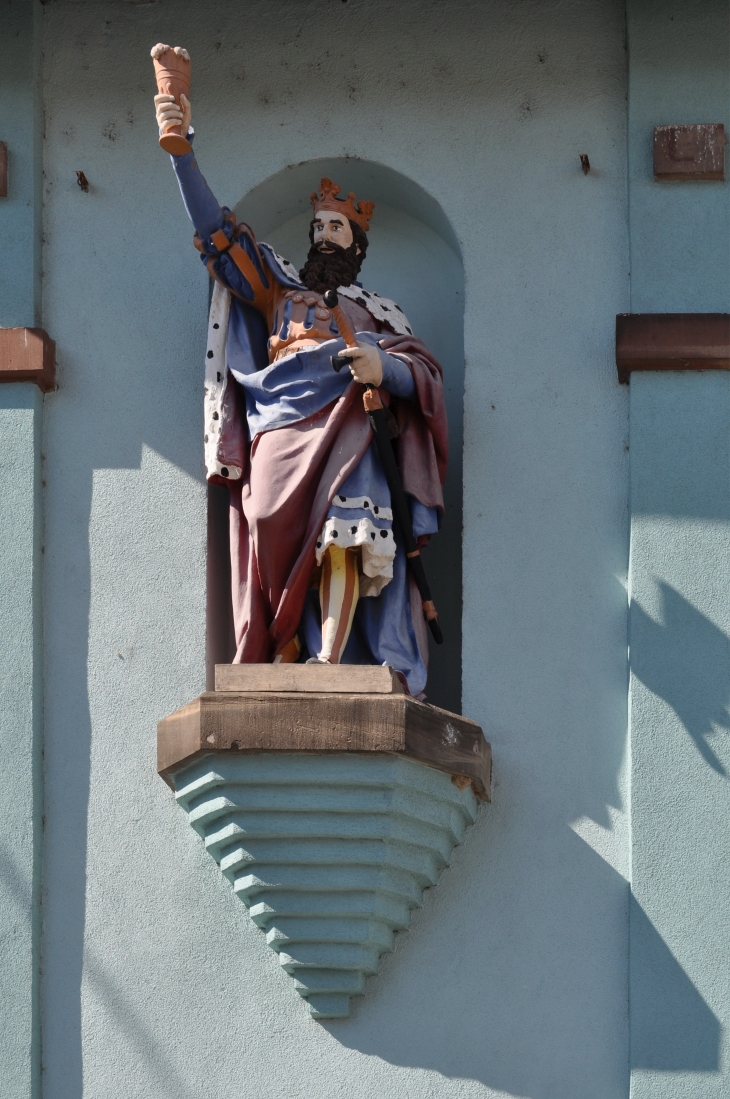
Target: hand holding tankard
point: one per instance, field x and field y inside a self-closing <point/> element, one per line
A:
<point x="172" y="71"/>
<point x="169" y="114"/>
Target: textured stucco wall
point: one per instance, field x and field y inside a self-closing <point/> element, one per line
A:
<point x="513" y="978"/>
<point x="679" y="71"/>
<point x="21" y="657"/>
<point x="21" y="725"/>
<point x="680" y="696"/>
<point x="20" y="119"/>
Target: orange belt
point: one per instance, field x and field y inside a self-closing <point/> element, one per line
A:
<point x="294" y="346"/>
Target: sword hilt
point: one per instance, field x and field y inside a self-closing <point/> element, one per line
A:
<point x="332" y="301"/>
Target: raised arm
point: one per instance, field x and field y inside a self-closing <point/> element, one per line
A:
<point x="202" y="206"/>
<point x="230" y="252"/>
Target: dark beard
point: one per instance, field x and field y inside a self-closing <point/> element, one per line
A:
<point x="329" y="270"/>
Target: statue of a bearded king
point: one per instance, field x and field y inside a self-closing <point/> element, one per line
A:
<point x="317" y="572"/>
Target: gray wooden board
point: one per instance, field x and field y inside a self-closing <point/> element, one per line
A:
<point x="310" y="678"/>
<point x="224" y="721"/>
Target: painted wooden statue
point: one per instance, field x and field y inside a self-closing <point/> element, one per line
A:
<point x="317" y="570"/>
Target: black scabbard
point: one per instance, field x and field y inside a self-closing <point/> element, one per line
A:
<point x="402" y="513"/>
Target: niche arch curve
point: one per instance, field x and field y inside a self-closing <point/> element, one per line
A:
<point x="414" y="258"/>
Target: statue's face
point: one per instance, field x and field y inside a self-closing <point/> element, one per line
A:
<point x="329" y="226"/>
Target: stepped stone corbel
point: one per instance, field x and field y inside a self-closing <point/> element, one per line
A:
<point x="330" y="800"/>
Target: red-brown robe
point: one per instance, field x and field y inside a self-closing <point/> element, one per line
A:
<point x="292" y="473"/>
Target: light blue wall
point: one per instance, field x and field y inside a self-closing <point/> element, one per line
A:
<point x="680" y="693"/>
<point x="512" y="980"/>
<point x="21" y="129"/>
<point x="124" y="577"/>
<point x="21" y="657"/>
<point x="21" y="725"/>
<point x="679" y="578"/>
<point x="679" y="72"/>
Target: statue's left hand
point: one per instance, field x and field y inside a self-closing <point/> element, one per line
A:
<point x="365" y="364"/>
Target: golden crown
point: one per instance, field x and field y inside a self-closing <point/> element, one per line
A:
<point x="326" y="199"/>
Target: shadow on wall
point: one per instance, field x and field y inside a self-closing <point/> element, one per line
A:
<point x="413" y="1013"/>
<point x="79" y="668"/>
<point x="414" y="258"/>
<point x="685" y="660"/>
<point x="532" y="908"/>
<point x="154" y="1057"/>
<point x="673" y="1029"/>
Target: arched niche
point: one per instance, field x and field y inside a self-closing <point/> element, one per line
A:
<point x="414" y="258"/>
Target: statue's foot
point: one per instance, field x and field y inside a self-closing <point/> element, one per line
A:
<point x="317" y="660"/>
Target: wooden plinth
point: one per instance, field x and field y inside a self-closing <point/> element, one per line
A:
<point x="350" y="679"/>
<point x="364" y="718"/>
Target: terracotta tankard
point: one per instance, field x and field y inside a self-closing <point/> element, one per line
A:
<point x="172" y="70"/>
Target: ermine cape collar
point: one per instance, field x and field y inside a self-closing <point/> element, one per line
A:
<point x="225" y="433"/>
<point x="381" y="309"/>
